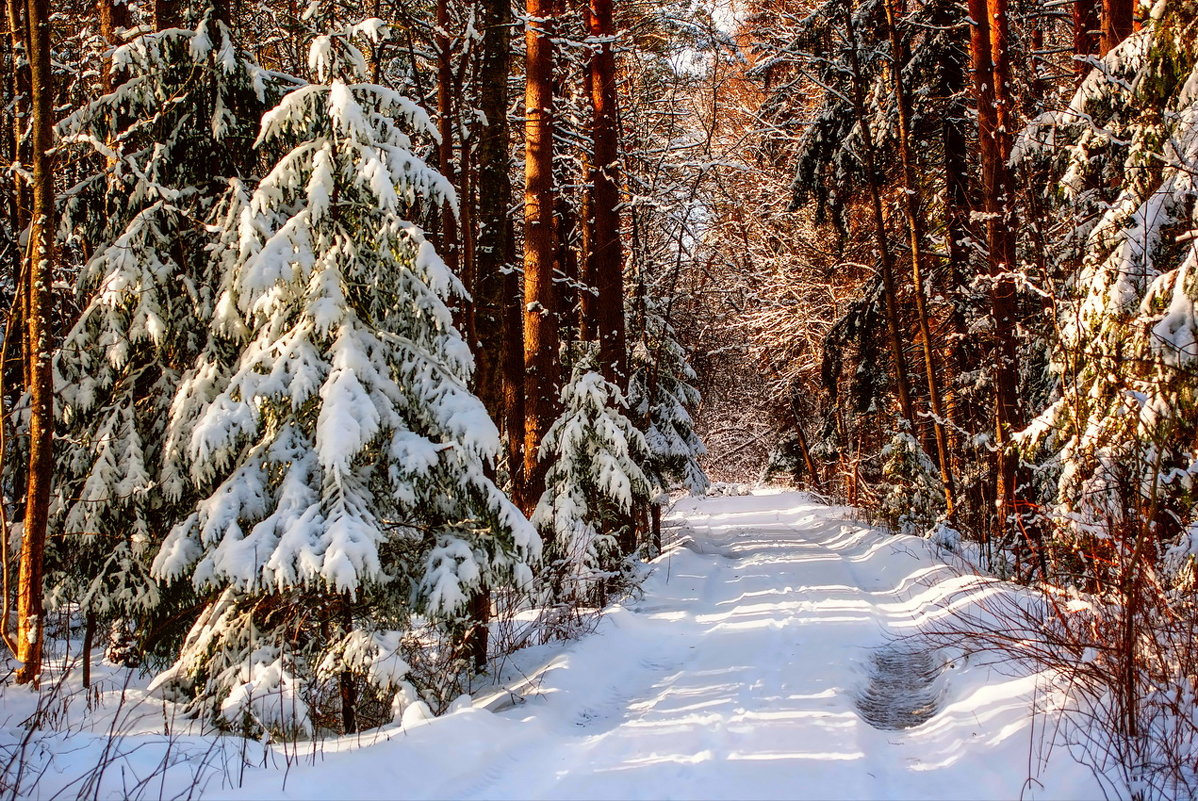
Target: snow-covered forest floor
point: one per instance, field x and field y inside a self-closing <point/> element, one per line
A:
<point x="768" y="654"/>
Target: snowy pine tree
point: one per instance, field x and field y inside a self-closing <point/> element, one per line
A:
<point x="661" y="397"/>
<point x="595" y="478"/>
<point x="1120" y="436"/>
<point x="350" y="456"/>
<point x="164" y="145"/>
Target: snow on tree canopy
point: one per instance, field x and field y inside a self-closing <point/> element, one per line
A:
<point x="333" y="413"/>
<point x="161" y="147"/>
<point x="660" y="397"/>
<point x="1129" y="333"/>
<point x="346" y="419"/>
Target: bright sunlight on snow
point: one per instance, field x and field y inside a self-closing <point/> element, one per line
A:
<point x="745" y="669"/>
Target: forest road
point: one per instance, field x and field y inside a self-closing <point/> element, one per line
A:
<point x="759" y="662"/>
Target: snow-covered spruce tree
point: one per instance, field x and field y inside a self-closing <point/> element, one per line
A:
<point x="1121" y="439"/>
<point x="164" y="146"/>
<point x="595" y="478"/>
<point x="661" y="397"/>
<point x="911" y="498"/>
<point x="353" y="503"/>
<point x="1121" y="436"/>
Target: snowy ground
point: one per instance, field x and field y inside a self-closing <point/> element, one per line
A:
<point x="763" y="643"/>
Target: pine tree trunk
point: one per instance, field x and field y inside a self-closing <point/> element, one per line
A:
<point x="983" y="89"/>
<point x="566" y="263"/>
<point x="467" y="177"/>
<point x="588" y="302"/>
<point x="540" y="295"/>
<point x="915" y="239"/>
<point x="655" y="526"/>
<point x="20" y="201"/>
<point x="956" y="204"/>
<point x="1000" y="235"/>
<point x="805" y="451"/>
<point x="89" y="641"/>
<point x="478" y="639"/>
<point x="345" y="679"/>
<point x="893" y="328"/>
<point x="449" y="249"/>
<point x="989" y="47"/>
<point x="606" y="251"/>
<point x="1086" y="30"/>
<point x="1116" y="23"/>
<point x="113" y="15"/>
<point x="494" y="203"/>
<point x="39" y="274"/>
<point x="513" y="369"/>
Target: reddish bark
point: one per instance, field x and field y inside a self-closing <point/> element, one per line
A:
<point x="915" y="236"/>
<point x="39" y="274"/>
<point x="1117" y="23"/>
<point x="540" y="296"/>
<point x="112" y="17"/>
<point x="1086" y="31"/>
<point x="606" y="252"/>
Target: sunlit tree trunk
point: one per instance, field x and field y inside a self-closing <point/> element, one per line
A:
<point x="915" y="239"/>
<point x="113" y="16"/>
<point x="893" y="328"/>
<point x="606" y="252"/>
<point x="540" y="295"/>
<point x="1116" y="23"/>
<point x="39" y="274"/>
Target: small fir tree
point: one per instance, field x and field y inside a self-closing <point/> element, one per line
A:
<point x="595" y="478"/>
<point x="661" y="397"/>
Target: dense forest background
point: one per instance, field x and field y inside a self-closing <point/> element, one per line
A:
<point x="335" y="332"/>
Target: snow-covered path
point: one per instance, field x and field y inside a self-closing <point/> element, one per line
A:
<point x="736" y="675"/>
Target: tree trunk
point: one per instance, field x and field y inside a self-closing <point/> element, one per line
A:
<point x="606" y="252"/>
<point x="89" y="640"/>
<point x="588" y="302"/>
<point x="467" y="177"/>
<point x="480" y="616"/>
<point x="513" y="366"/>
<point x="956" y="204"/>
<point x="1000" y="235"/>
<point x="566" y="264"/>
<point x="915" y="245"/>
<point x="494" y="202"/>
<point x="655" y="526"/>
<point x="449" y="249"/>
<point x="989" y="46"/>
<point x="1116" y="23"/>
<point x="19" y="108"/>
<point x="540" y="295"/>
<point x="113" y="15"/>
<point x="167" y="14"/>
<point x="1086" y="30"/>
<point x="39" y="274"/>
<point x="893" y="329"/>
